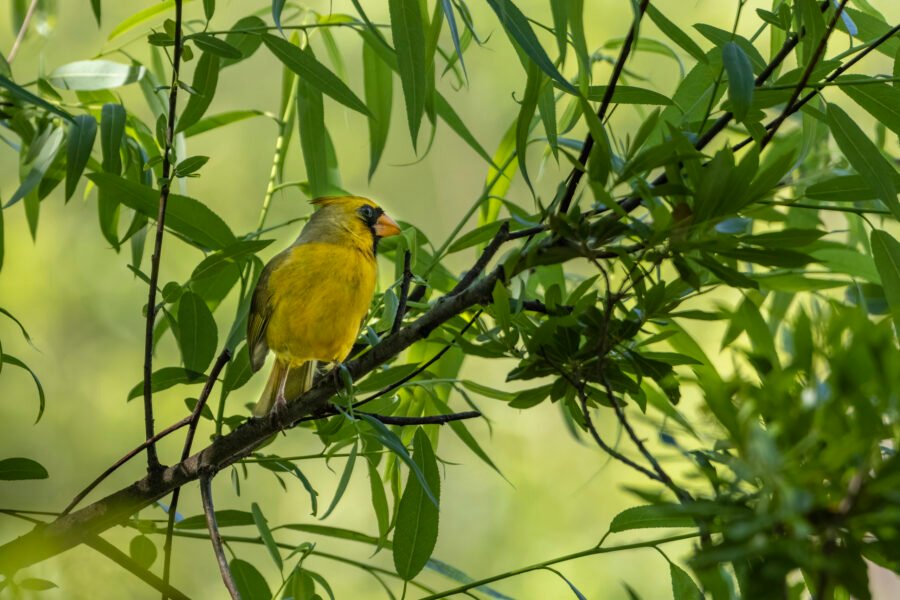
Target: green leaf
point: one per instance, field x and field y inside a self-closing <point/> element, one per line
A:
<point x="224" y="518"/>
<point x="516" y="25"/>
<point x="82" y="134"/>
<point x="96" y="9"/>
<point x="417" y="517"/>
<point x="277" y="8"/>
<point x="721" y="37"/>
<point x="184" y="215"/>
<point x="198" y="335"/>
<point x="12" y="360"/>
<point x="209" y="9"/>
<point x="881" y="100"/>
<point x="141" y="17"/>
<point x="313" y="72"/>
<point x="740" y="79"/>
<point x="864" y="156"/>
<point x="236" y="253"/>
<point x="112" y="130"/>
<point x="266" y="534"/>
<point x="311" y="123"/>
<point x="389" y="439"/>
<point x="886" y="251"/>
<point x="843" y="188"/>
<point x="36" y="584"/>
<point x="246" y="43"/>
<point x="786" y="238"/>
<point x="650" y="516"/>
<point x="220" y="120"/>
<point x="379" y="500"/>
<point x="378" y="82"/>
<point x="205" y="81"/>
<point x="88" y="75"/>
<point x="344" y="481"/>
<point x="447" y="7"/>
<point x="190" y="165"/>
<point x="142" y="550"/>
<point x="44" y="148"/>
<point x="165" y="378"/>
<point x="17" y="469"/>
<point x="26" y="96"/>
<point x="213" y="45"/>
<point x="250" y="583"/>
<point x="2" y="251"/>
<point x="527" y="109"/>
<point x="409" y="41"/>
<point x="675" y="34"/>
<point x="683" y="587"/>
<point x="445" y="111"/>
<point x="625" y="94"/>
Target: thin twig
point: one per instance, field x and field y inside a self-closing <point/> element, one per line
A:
<point x="490" y="250"/>
<point x="193" y="421"/>
<point x="284" y="127"/>
<point x="123" y="560"/>
<point x="576" y="174"/>
<point x="807" y="73"/>
<point x="115" y="466"/>
<point x="404" y="292"/>
<point x="26" y="21"/>
<point x="153" y="465"/>
<point x="425" y="420"/>
<point x="214" y="536"/>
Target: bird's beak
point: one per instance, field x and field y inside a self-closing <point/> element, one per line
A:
<point x="386" y="226"/>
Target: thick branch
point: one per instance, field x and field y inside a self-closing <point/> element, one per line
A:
<point x="152" y="459"/>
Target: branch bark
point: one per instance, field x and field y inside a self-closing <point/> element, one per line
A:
<point x="214" y="536"/>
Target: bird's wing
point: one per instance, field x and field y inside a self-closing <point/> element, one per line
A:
<point x="260" y="311"/>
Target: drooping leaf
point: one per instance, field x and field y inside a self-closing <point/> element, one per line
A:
<point x="409" y="41"/>
<point x="44" y="149"/>
<point x="79" y="144"/>
<point x="417" y="517"/>
<point x="251" y="585"/>
<point x="886" y="251"/>
<point x="649" y="516"/>
<point x="526" y="114"/>
<point x="141" y="17"/>
<point x="205" y="81"/>
<point x="740" y="79"/>
<point x="220" y="120"/>
<point x="266" y="534"/>
<point x="224" y="518"/>
<point x="683" y="586"/>
<point x="674" y="33"/>
<point x="165" y="378"/>
<point x="213" y="45"/>
<point x="26" y="96"/>
<point x="447" y="7"/>
<point x="379" y="91"/>
<point x="197" y="333"/>
<point x="17" y="469"/>
<point x="881" y="100"/>
<point x="344" y="481"/>
<point x="88" y="75"/>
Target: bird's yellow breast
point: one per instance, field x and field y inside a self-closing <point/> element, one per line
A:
<point x="319" y="295"/>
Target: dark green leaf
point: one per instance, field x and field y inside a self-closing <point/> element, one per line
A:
<point x="864" y="156"/>
<point x="311" y="123"/>
<point x="12" y="360"/>
<point x="250" y="583"/>
<point x="683" y="587"/>
<point x="205" y="81"/>
<point x="15" y="469"/>
<point x="624" y="94"/>
<point x="190" y="165"/>
<point x="786" y="238"/>
<point x="44" y="150"/>
<point x="36" y="584"/>
<point x="198" y="335"/>
<point x="224" y="518"/>
<point x="881" y="100"/>
<point x="650" y="516"/>
<point x="313" y="72"/>
<point x="740" y="79"/>
<point x="379" y="500"/>
<point x="26" y="96"/>
<point x="675" y="34"/>
<point x="527" y="109"/>
<point x="394" y="444"/>
<point x="246" y="43"/>
<point x="95" y="75"/>
<point x="95" y="8"/>
<point x="417" y="517"/>
<point x="213" y="45"/>
<point x="165" y="378"/>
<point x="379" y="91"/>
<point x="209" y="8"/>
<point x="82" y="134"/>
<point x="266" y="534"/>
<point x="344" y="481"/>
<point x="220" y="120"/>
<point x="447" y="7"/>
<point x="886" y="251"/>
<point x="516" y="25"/>
<point x="112" y="130"/>
<point x="184" y="215"/>
<point x="721" y="37"/>
<point x="277" y="8"/>
<point x="142" y="550"/>
<point x="409" y="41"/>
<point x="844" y="188"/>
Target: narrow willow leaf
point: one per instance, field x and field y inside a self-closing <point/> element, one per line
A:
<point x="220" y="120"/>
<point x="311" y="123"/>
<point x="447" y="7"/>
<point x="166" y="378"/>
<point x="277" y="8"/>
<point x="205" y="81"/>
<point x="17" y="469"/>
<point x="142" y="17"/>
<point x="379" y="91"/>
<point x="683" y="587"/>
<point x="571" y="585"/>
<point x="417" y="517"/>
<point x="36" y="584"/>
<point x="527" y="109"/>
<point x="672" y="31"/>
<point x="213" y="45"/>
<point x="721" y="37"/>
<point x="209" y="9"/>
<point x="112" y="130"/>
<point x="44" y="148"/>
<point x="185" y="216"/>
<point x="344" y="481"/>
<point x="379" y="500"/>
<point x="560" y="14"/>
<point x="516" y="25"/>
<point x="80" y="142"/>
<point x="26" y="96"/>
<point x="409" y="41"/>
<point x="864" y="156"/>
<point x="224" y="518"/>
<point x="244" y="35"/>
<point x="251" y="585"/>
<point x="547" y="109"/>
<point x="89" y="75"/>
<point x="650" y="516"/>
<point x="266" y="534"/>
<point x="96" y="9"/>
<point x="881" y="100"/>
<point x="886" y="251"/>
<point x="313" y="72"/>
<point x="740" y="79"/>
<point x="624" y="94"/>
<point x="198" y="335"/>
<point x="189" y="165"/>
<point x="389" y="439"/>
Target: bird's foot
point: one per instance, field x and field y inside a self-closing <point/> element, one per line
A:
<point x="279" y="414"/>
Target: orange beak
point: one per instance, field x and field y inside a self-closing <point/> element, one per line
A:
<point x="386" y="226"/>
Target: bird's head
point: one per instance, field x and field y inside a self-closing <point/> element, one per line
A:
<point x="361" y="219"/>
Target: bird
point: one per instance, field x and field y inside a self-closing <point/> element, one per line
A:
<point x="311" y="299"/>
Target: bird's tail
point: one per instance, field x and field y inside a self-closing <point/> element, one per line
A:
<point x="299" y="380"/>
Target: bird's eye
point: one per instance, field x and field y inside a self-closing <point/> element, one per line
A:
<point x="367" y="213"/>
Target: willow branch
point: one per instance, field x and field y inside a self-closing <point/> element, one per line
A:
<point x="404" y="292"/>
<point x="152" y="458"/>
<point x="214" y="536"/>
<point x="26" y="21"/>
<point x="126" y="562"/>
<point x="425" y="420"/>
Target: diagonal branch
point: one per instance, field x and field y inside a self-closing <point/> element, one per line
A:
<point x="425" y="420"/>
<point x="215" y="537"/>
<point x="152" y="458"/>
<point x="26" y="21"/>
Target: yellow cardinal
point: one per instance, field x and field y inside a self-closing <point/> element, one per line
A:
<point x="311" y="299"/>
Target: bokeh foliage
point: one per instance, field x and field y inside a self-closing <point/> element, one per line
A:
<point x="749" y="175"/>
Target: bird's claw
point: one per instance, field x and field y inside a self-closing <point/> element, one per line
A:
<point x="279" y="414"/>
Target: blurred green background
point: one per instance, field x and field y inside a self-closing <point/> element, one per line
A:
<point x="82" y="307"/>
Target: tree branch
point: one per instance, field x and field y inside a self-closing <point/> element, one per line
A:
<point x="425" y="420"/>
<point x="26" y="21"/>
<point x="123" y="560"/>
<point x="404" y="292"/>
<point x="152" y="458"/>
<point x="215" y="537"/>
